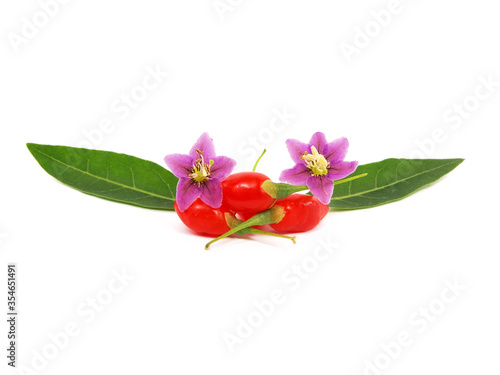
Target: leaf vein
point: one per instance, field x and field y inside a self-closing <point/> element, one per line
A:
<point x="103" y="179"/>
<point x="393" y="183"/>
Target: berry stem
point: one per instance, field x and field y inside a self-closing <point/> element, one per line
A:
<point x="270" y="216"/>
<point x="258" y="231"/>
<point x="257" y="162"/>
<point x="280" y="190"/>
<point x="233" y="222"/>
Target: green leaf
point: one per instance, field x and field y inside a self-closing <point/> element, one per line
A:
<point x="109" y="175"/>
<point x="388" y="181"/>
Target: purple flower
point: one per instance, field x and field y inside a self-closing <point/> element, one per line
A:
<point x="200" y="173"/>
<point x="318" y="164"/>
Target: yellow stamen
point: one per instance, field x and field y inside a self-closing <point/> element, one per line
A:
<point x="201" y="170"/>
<point x="316" y="162"/>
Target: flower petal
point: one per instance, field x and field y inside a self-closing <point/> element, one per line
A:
<point x="340" y="170"/>
<point x="336" y="150"/>
<point x="321" y="187"/>
<point x="222" y="167"/>
<point x="211" y="192"/>
<point x="206" y="145"/>
<point x="297" y="175"/>
<point x="296" y="149"/>
<point x="319" y="141"/>
<point x="181" y="165"/>
<point x="187" y="192"/>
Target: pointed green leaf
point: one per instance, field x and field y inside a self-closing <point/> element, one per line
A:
<point x="388" y="181"/>
<point x="109" y="175"/>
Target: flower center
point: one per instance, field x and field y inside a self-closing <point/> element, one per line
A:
<point x="316" y="162"/>
<point x="201" y="170"/>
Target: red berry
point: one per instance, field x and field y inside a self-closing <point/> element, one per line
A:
<point x="204" y="219"/>
<point x="302" y="213"/>
<point x="242" y="192"/>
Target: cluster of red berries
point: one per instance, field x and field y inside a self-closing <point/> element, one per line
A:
<point x="242" y="198"/>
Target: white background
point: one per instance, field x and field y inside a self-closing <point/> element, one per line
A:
<point x="228" y="75"/>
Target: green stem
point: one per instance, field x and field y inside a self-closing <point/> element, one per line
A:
<point x="258" y="231"/>
<point x="257" y="162"/>
<point x="233" y="222"/>
<point x="270" y="216"/>
<point x="280" y="190"/>
<point x="338" y="182"/>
